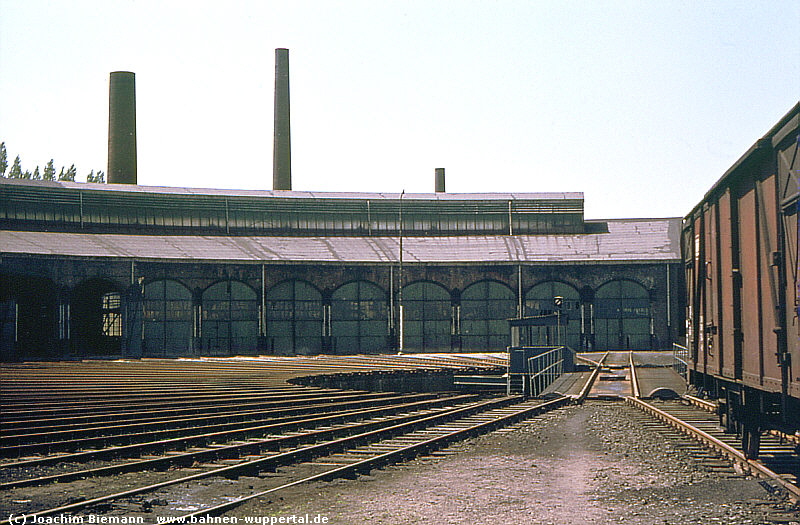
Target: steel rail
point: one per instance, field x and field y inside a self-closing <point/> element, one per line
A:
<point x="89" y="396"/>
<point x="754" y="467"/>
<point x="86" y="397"/>
<point x="131" y="430"/>
<point x="701" y="403"/>
<point x="394" y="456"/>
<point x="284" y="458"/>
<point x="712" y="407"/>
<point x="222" y="370"/>
<point x="592" y="378"/>
<point x="65" y="411"/>
<point x="205" y="439"/>
<point x="144" y="414"/>
<point x="634" y="380"/>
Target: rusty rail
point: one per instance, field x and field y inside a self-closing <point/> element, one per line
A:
<point x="634" y="380"/>
<point x="393" y="456"/>
<point x="753" y="467"/>
<point x="592" y="378"/>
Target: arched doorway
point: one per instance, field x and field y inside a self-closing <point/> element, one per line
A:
<point x="359" y="321"/>
<point x="96" y="306"/>
<point x="230" y="319"/>
<point x="168" y="319"/>
<point x="622" y="316"/>
<point x="427" y="314"/>
<point x="294" y="319"/>
<point x="28" y="317"/>
<point x="486" y="307"/>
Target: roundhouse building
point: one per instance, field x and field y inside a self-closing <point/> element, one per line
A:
<point x="121" y="270"/>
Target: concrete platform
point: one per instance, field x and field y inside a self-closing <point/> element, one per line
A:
<point x="659" y="382"/>
<point x="653" y="358"/>
<point x="568" y="384"/>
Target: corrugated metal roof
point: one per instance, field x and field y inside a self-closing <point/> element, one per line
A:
<point x="132" y="188"/>
<point x="627" y="240"/>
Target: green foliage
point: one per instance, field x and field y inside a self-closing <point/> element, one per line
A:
<point x="69" y="175"/>
<point x="100" y="177"/>
<point x="3" y="159"/>
<point x="16" y="169"/>
<point x="49" y="172"/>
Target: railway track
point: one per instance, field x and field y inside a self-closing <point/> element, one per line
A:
<point x="210" y="427"/>
<point x="145" y="447"/>
<point x="323" y="453"/>
<point x="778" y="462"/>
<point x="246" y="440"/>
<point x="698" y="420"/>
<point x="151" y="439"/>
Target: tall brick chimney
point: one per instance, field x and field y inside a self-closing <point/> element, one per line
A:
<point x="439" y="183"/>
<point x="282" y="144"/>
<point x="122" y="128"/>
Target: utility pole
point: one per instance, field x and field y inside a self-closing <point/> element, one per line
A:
<point x="400" y="288"/>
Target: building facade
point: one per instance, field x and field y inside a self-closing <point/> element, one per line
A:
<point x="117" y="270"/>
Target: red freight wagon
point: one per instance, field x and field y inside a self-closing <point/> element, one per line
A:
<point x="740" y="254"/>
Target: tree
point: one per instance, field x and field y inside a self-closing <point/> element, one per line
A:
<point x="3" y="159"/>
<point x="49" y="171"/>
<point x="69" y="175"/>
<point x="99" y="177"/>
<point x="16" y="169"/>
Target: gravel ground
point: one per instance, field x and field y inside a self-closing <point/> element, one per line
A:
<point x="578" y="465"/>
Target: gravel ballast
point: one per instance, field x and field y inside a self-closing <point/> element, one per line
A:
<point x="590" y="464"/>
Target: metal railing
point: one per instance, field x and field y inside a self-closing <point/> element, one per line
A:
<point x="680" y="360"/>
<point x="545" y="368"/>
<point x="531" y="369"/>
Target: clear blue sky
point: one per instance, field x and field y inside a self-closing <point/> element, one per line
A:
<point x="641" y="105"/>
